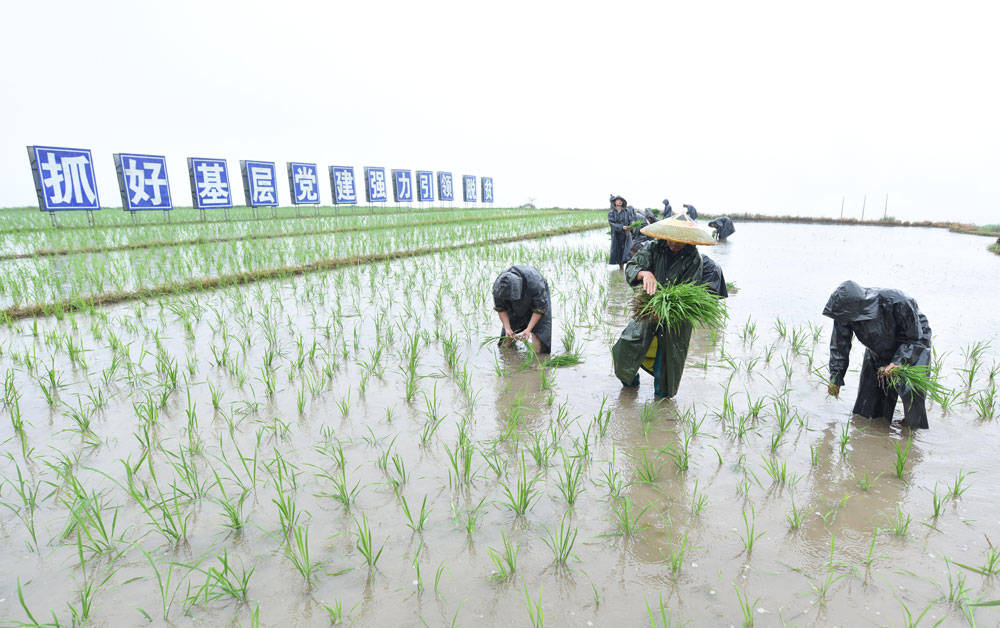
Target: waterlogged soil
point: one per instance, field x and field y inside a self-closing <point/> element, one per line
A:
<point x="269" y="396"/>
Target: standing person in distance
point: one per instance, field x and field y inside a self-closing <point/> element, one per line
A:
<point x="521" y="300"/>
<point x="619" y="218"/>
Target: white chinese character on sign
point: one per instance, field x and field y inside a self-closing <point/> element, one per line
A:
<point x="138" y="182"/>
<point x="212" y="188"/>
<point x="68" y="179"/>
<point x="487" y="189"/>
<point x="263" y="183"/>
<point x="378" y="183"/>
<point x="404" y="186"/>
<point x="446" y="187"/>
<point x="425" y="187"/>
<point x="344" y="180"/>
<point x="305" y="184"/>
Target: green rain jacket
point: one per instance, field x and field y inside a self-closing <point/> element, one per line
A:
<point x="639" y="336"/>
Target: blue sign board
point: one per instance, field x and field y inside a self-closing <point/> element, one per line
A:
<point x="469" y="188"/>
<point x="209" y="183"/>
<point x="446" y="191"/>
<point x="345" y="191"/>
<point x="303" y="181"/>
<point x="376" y="190"/>
<point x="260" y="183"/>
<point x="487" y="183"/>
<point x="143" y="181"/>
<point x="425" y="186"/>
<point x="64" y="178"/>
<point x="402" y="186"/>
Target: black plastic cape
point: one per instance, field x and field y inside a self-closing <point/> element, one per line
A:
<point x="723" y="226"/>
<point x="893" y="330"/>
<point x="521" y="290"/>
<point x="621" y="240"/>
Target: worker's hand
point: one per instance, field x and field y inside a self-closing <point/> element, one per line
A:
<point x="511" y="336"/>
<point x="648" y="281"/>
<point x="627" y="228"/>
<point x="892" y="366"/>
<point x="524" y="335"/>
<point x="833" y="390"/>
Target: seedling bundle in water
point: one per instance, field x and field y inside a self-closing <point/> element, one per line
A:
<point x="678" y="303"/>
<point x="920" y="379"/>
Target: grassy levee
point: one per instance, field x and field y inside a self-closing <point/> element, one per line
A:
<point x="263" y="236"/>
<point x="58" y="308"/>
<point x="36" y="220"/>
<point x="995" y="247"/>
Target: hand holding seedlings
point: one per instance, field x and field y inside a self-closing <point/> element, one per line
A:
<point x="649" y="283"/>
<point x="833" y="390"/>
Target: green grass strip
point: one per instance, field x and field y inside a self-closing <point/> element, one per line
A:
<point x="263" y="236"/>
<point x="202" y="284"/>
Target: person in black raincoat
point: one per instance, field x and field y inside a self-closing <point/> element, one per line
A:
<point x="711" y="276"/>
<point x="723" y="226"/>
<point x="521" y="300"/>
<point x="620" y="217"/>
<point x="894" y="331"/>
<point x="668" y="211"/>
<point x="668" y="259"/>
<point x="691" y="211"/>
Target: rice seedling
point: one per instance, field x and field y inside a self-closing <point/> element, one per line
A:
<point x="865" y="482"/>
<point x="535" y="614"/>
<point x="920" y="379"/>
<point x="677" y="550"/>
<point x="335" y="612"/>
<point x="561" y="541"/>
<point x="504" y="562"/>
<point x="646" y="471"/>
<point x="795" y="517"/>
<point x="778" y="472"/>
<point x="364" y="545"/>
<point x="299" y="554"/>
<point x="698" y="500"/>
<point x="678" y="304"/>
<point x="901" y="523"/>
<point x="901" y="455"/>
<point x="665" y="620"/>
<point x="958" y="486"/>
<point x="845" y="437"/>
<point x="559" y="361"/>
<point x="626" y="520"/>
<point x="220" y="582"/>
<point x="985" y="401"/>
<point x="418" y="522"/>
<point x="521" y="495"/>
<point x="569" y="479"/>
<point x="680" y="452"/>
<point x="611" y="478"/>
<point x="750" y="535"/>
<point x="746" y="606"/>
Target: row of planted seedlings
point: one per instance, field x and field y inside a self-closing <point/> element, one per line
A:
<point x="15" y="220"/>
<point x="15" y="244"/>
<point x="188" y="454"/>
<point x="26" y="282"/>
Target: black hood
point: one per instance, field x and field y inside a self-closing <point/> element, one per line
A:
<point x="508" y="286"/>
<point x="852" y="303"/>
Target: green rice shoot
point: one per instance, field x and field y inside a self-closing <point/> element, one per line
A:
<point x="921" y="379"/>
<point x="566" y="359"/>
<point x="675" y="304"/>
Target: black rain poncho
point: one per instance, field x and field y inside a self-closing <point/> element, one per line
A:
<point x="891" y="327"/>
<point x="723" y="226"/>
<point x="635" y="348"/>
<point x="621" y="240"/>
<point x="711" y="276"/>
<point x="519" y="291"/>
<point x="691" y="211"/>
<point x="668" y="211"/>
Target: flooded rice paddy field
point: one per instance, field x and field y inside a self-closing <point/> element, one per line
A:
<point x="351" y="446"/>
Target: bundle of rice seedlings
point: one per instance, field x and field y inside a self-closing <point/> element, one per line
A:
<point x="920" y="379"/>
<point x="678" y="303"/>
<point x="638" y="224"/>
<point x="566" y="359"/>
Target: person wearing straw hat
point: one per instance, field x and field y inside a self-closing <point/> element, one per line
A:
<point x="521" y="300"/>
<point x="620" y="217"/>
<point x="670" y="258"/>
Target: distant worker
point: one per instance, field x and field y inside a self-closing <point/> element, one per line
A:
<point x="668" y="211"/>
<point x="521" y="300"/>
<point x="894" y="332"/>
<point x="691" y="212"/>
<point x="671" y="258"/>
<point x="723" y="226"/>
<point x="638" y="237"/>
<point x="620" y="217"/>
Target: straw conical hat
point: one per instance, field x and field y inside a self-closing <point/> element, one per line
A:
<point x="679" y="229"/>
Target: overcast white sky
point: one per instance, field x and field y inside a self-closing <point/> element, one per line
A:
<point x="777" y="107"/>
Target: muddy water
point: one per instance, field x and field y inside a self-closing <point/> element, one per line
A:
<point x="844" y="565"/>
